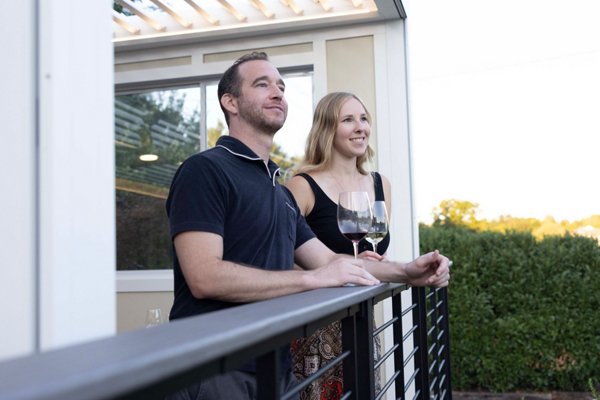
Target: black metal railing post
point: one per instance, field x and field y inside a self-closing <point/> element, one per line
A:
<point x="349" y="364"/>
<point x="268" y="378"/>
<point x="399" y="342"/>
<point x="365" y="351"/>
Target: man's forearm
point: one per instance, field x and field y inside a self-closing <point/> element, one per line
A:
<point x="227" y="281"/>
<point x="387" y="271"/>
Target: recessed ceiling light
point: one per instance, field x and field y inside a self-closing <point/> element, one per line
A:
<point x="148" y="157"/>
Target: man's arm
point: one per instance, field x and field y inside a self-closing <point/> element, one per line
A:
<point x="431" y="269"/>
<point x="200" y="255"/>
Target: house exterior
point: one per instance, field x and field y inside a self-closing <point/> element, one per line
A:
<point x="67" y="81"/>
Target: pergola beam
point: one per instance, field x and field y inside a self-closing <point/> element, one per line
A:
<point x="233" y="10"/>
<point x="291" y="4"/>
<point x="150" y="21"/>
<point x="325" y="4"/>
<point x="180" y="20"/>
<point x="118" y="18"/>
<point x="209" y="18"/>
<point x="263" y="8"/>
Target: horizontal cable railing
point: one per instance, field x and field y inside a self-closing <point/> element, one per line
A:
<point x="433" y="338"/>
<point x="152" y="363"/>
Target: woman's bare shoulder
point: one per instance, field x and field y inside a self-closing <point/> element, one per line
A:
<point x="302" y="192"/>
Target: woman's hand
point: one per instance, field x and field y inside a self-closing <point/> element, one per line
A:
<point x="371" y="255"/>
<point x="431" y="269"/>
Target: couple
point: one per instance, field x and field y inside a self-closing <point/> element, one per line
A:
<point x="237" y="233"/>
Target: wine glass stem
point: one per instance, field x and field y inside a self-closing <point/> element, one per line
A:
<point x="355" y="245"/>
<point x="375" y="247"/>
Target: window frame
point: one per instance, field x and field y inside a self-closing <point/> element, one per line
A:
<point x="161" y="280"/>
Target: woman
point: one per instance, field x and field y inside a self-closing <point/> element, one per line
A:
<point x="337" y="151"/>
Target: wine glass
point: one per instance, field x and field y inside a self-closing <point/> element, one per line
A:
<point x="379" y="225"/>
<point x="153" y="317"/>
<point x="354" y="216"/>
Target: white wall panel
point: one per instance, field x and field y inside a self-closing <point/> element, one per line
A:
<point x="17" y="179"/>
<point x="77" y="232"/>
<point x="395" y="156"/>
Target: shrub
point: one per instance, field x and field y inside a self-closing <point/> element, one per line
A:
<point x="523" y="313"/>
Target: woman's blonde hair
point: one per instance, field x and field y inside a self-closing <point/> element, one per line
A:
<point x="319" y="144"/>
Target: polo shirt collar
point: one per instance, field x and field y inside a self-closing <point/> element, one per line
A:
<point x="239" y="149"/>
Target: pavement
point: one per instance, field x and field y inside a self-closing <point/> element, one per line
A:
<point x="522" y="396"/>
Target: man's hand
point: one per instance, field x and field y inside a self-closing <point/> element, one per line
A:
<point x="431" y="269"/>
<point x="341" y="271"/>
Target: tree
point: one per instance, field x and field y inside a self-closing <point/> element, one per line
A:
<point x="215" y="133"/>
<point x="457" y="213"/>
<point x="507" y="223"/>
<point x="549" y="227"/>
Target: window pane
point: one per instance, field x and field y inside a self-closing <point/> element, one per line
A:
<point x="215" y="120"/>
<point x="289" y="143"/>
<point x="154" y="132"/>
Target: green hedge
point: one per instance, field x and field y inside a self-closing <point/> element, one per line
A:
<point x="524" y="314"/>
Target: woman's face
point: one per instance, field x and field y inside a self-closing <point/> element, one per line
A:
<point x="353" y="130"/>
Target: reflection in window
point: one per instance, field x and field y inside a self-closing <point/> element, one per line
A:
<point x="155" y="132"/>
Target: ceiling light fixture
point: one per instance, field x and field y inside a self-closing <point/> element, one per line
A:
<point x="148" y="157"/>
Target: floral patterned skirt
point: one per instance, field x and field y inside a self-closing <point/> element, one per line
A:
<point x="311" y="353"/>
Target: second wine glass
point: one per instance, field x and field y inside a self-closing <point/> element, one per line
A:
<point x="354" y="216"/>
<point x="153" y="317"/>
<point x="379" y="225"/>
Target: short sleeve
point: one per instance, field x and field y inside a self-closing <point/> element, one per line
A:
<point x="197" y="198"/>
<point x="303" y="231"/>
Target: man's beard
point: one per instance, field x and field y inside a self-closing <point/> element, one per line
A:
<point x="253" y="115"/>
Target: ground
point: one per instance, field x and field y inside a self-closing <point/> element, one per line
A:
<point x="522" y="396"/>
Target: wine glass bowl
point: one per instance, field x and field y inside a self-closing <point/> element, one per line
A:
<point x="354" y="216"/>
<point x="153" y="317"/>
<point x="379" y="225"/>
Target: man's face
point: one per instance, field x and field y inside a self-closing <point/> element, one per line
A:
<point x="262" y="103"/>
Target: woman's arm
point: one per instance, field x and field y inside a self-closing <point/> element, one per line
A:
<point x="303" y="194"/>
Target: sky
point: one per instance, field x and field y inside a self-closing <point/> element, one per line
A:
<point x="505" y="105"/>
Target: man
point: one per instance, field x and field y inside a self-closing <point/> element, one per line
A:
<point x="237" y="233"/>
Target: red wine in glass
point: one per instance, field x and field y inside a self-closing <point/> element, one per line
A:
<point x="354" y="216"/>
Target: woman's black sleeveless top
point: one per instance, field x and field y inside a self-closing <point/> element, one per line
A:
<point x="323" y="220"/>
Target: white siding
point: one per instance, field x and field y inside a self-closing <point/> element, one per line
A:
<point x="57" y="237"/>
<point x="17" y="180"/>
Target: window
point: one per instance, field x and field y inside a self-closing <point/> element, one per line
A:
<point x="155" y="131"/>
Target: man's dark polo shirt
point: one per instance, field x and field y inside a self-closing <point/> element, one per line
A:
<point x="228" y="190"/>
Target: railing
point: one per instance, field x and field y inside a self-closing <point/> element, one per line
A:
<point x="151" y="363"/>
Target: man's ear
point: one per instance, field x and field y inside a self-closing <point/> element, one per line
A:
<point x="229" y="102"/>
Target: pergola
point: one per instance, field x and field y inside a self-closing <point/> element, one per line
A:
<point x="161" y="22"/>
